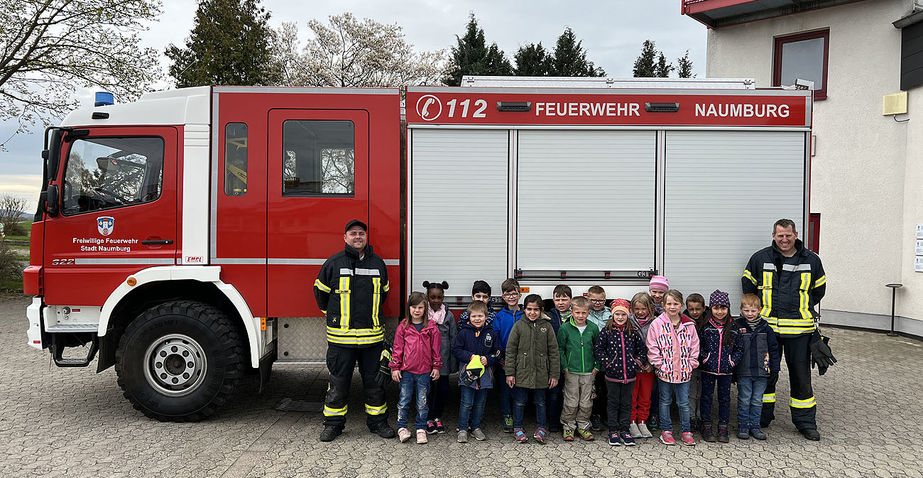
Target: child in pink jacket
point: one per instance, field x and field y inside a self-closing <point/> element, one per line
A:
<point x="414" y="361"/>
<point x="673" y="350"/>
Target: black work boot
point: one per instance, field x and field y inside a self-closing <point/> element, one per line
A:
<point x="330" y="433"/>
<point x="810" y="434"/>
<point x="383" y="430"/>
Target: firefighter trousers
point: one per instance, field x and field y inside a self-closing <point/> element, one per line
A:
<point x="797" y="352"/>
<point x="341" y="361"/>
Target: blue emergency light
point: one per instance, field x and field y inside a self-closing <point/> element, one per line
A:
<point x="104" y="98"/>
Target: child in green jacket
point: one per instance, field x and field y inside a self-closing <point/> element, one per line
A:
<point x="576" y="339"/>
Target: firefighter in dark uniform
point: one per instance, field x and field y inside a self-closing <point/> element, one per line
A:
<point x="350" y="289"/>
<point x="789" y="280"/>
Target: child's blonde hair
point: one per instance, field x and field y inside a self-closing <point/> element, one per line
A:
<point x="749" y="300"/>
<point x="477" y="306"/>
<point x="643" y="298"/>
<point x="580" y="301"/>
<point x="675" y="294"/>
<point x="596" y="290"/>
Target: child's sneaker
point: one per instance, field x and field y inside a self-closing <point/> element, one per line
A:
<point x="645" y="432"/>
<point x="519" y="435"/>
<point x="687" y="439"/>
<point x="403" y="434"/>
<point x="568" y="435"/>
<point x="585" y="434"/>
<point x="440" y="428"/>
<point x="653" y="422"/>
<point x="614" y="439"/>
<point x="667" y="438"/>
<point x="723" y="433"/>
<point x="634" y="431"/>
<point x="708" y="432"/>
<point x="478" y="434"/>
<point x="507" y="424"/>
<point x="421" y="437"/>
<point x="757" y="433"/>
<point x="462" y="436"/>
<point x="539" y="435"/>
<point x="627" y="439"/>
<point x="596" y="423"/>
<point x="743" y="433"/>
<point x="431" y="426"/>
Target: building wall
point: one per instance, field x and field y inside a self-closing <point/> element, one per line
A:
<point x="866" y="183"/>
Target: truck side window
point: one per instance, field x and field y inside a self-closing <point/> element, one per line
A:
<point x="318" y="158"/>
<point x="235" y="159"/>
<point x="106" y="173"/>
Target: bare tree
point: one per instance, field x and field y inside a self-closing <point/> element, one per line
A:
<point x="11" y="211"/>
<point x="350" y="52"/>
<point x="50" y="47"/>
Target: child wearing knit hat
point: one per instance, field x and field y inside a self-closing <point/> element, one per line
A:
<point x="621" y="353"/>
<point x="658" y="286"/>
<point x="719" y="352"/>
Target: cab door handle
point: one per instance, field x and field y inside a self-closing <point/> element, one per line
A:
<point x="157" y="242"/>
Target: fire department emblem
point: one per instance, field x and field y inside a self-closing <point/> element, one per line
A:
<point x="105" y="224"/>
<point x="429" y="107"/>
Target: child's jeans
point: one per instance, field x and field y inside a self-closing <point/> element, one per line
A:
<point x="695" y="392"/>
<point x="554" y="399"/>
<point x="724" y="397"/>
<point x="641" y="396"/>
<point x="750" y="400"/>
<point x="471" y="408"/>
<point x="438" y="394"/>
<point x="667" y="392"/>
<point x="411" y="383"/>
<point x="504" y="392"/>
<point x="578" y="401"/>
<point x="520" y="397"/>
<point x="619" y="404"/>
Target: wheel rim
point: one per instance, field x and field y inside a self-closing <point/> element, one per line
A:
<point x="175" y="365"/>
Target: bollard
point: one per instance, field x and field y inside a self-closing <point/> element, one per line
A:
<point x="893" y="287"/>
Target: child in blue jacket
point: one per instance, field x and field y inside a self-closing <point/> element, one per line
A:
<point x="475" y="338"/>
<point x="760" y="357"/>
<point x="719" y="350"/>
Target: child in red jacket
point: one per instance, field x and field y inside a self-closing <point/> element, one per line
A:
<point x="414" y="361"/>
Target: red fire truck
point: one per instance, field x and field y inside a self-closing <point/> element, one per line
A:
<point x="178" y="237"/>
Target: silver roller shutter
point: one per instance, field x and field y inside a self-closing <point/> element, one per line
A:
<point x="724" y="190"/>
<point x="458" y="218"/>
<point x="586" y="200"/>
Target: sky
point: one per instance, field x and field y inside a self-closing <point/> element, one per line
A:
<point x="611" y="31"/>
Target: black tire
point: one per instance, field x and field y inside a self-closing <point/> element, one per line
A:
<point x="179" y="361"/>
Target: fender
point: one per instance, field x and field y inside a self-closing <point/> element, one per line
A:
<point x="197" y="273"/>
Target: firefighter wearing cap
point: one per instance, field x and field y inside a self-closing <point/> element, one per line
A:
<point x="350" y="289"/>
<point x="790" y="282"/>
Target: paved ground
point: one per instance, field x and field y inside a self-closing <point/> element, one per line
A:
<point x="73" y="422"/>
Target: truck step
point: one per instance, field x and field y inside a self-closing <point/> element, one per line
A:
<point x="72" y="328"/>
<point x="57" y="353"/>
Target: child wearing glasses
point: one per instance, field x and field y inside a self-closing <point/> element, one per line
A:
<point x="503" y="324"/>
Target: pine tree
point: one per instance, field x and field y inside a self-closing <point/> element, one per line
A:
<point x="229" y="45"/>
<point x="570" y="58"/>
<point x="684" y="66"/>
<point x="472" y="56"/>
<point x="532" y="60"/>
<point x="645" y="64"/>
<point x="662" y="69"/>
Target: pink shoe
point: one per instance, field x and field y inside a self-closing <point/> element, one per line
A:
<point x="667" y="438"/>
<point x="687" y="439"/>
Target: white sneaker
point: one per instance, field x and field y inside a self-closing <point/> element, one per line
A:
<point x="634" y="431"/>
<point x="645" y="433"/>
<point x="421" y="437"/>
<point x="403" y="434"/>
<point x="478" y="434"/>
<point x="463" y="436"/>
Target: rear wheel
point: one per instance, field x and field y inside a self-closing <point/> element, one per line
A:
<point x="179" y="361"/>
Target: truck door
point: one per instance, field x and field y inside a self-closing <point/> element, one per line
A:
<point x="318" y="181"/>
<point x="117" y="212"/>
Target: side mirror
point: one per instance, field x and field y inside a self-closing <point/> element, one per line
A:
<point x="51" y="200"/>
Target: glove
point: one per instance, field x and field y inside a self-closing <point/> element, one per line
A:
<point x="384" y="370"/>
<point x="821" y="355"/>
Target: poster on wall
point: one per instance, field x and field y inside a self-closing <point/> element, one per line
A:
<point x="918" y="264"/>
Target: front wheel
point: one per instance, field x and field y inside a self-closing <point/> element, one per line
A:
<point x="179" y="361"/>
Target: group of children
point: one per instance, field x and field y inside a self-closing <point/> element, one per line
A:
<point x="623" y="364"/>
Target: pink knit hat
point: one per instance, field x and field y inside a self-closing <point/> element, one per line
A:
<point x="659" y="283"/>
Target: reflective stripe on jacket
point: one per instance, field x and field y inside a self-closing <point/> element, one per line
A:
<point x="350" y="292"/>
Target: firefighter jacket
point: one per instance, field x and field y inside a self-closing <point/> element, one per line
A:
<point x="789" y="288"/>
<point x="350" y="292"/>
